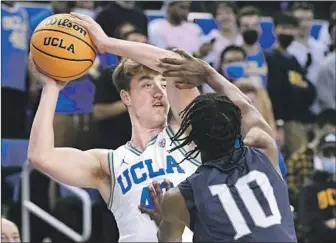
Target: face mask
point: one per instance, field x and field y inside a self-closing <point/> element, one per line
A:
<point x="285" y="40"/>
<point x="234" y="71"/>
<point x="250" y="36"/>
<point x="85" y="11"/>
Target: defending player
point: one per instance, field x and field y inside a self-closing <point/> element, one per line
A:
<point x="121" y="176"/>
<point x="237" y="194"/>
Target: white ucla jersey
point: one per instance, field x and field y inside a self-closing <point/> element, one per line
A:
<point x="131" y="173"/>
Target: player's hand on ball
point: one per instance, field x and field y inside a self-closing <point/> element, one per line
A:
<point x="43" y="79"/>
<point x="97" y="34"/>
<point x="191" y="70"/>
<point x="156" y="195"/>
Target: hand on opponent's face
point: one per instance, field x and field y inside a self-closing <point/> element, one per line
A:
<point x="189" y="71"/>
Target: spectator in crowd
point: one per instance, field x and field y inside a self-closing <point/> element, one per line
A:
<point x="175" y="31"/>
<point x="317" y="198"/>
<point x="14" y="55"/>
<point x="118" y="12"/>
<point x="326" y="79"/>
<point x="9" y="231"/>
<point x="324" y="36"/>
<point x="232" y="65"/>
<point x="226" y="34"/>
<point x="85" y="7"/>
<point x="290" y="92"/>
<point x="248" y="19"/>
<point x="300" y="165"/>
<point x="305" y="48"/>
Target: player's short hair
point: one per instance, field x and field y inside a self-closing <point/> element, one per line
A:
<point x="247" y="11"/>
<point x="215" y="123"/>
<point x="285" y="18"/>
<point x="125" y="71"/>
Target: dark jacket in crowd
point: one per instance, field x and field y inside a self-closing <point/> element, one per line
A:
<point x="290" y="100"/>
<point x="316" y="206"/>
<point x="113" y="15"/>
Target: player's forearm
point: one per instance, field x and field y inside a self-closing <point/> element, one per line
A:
<point x="41" y="142"/>
<point x="145" y="54"/>
<point x="166" y="233"/>
<point x="250" y="115"/>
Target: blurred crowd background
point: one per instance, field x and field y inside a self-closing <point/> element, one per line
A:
<point x="281" y="54"/>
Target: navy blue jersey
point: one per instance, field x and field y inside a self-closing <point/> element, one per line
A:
<point x="242" y="201"/>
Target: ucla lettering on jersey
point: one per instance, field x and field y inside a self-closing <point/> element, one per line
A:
<point x="131" y="173"/>
<point x="14" y="46"/>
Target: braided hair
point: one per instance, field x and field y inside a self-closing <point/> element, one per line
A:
<point x="215" y="123"/>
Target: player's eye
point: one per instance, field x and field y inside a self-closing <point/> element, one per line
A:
<point x="164" y="86"/>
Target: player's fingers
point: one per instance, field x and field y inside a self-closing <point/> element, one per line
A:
<point x="172" y="60"/>
<point x="182" y="53"/>
<point x="154" y="196"/>
<point x="169" y="67"/>
<point x="143" y="209"/>
<point x="172" y="74"/>
<point x="80" y="16"/>
<point x="80" y="22"/>
<point x="167" y="184"/>
<point x="157" y="188"/>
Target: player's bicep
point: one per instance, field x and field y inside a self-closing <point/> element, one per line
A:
<point x="258" y="138"/>
<point x="74" y="167"/>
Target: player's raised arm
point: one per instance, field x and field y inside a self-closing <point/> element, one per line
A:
<point x="145" y="54"/>
<point x="67" y="165"/>
<point x="194" y="71"/>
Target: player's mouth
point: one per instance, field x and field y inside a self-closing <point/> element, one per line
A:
<point x="158" y="104"/>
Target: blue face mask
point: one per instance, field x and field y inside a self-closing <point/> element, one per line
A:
<point x="234" y="71"/>
<point x="329" y="164"/>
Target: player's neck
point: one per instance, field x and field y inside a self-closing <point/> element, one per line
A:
<point x="141" y="136"/>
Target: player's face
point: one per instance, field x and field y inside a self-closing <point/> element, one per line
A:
<point x="147" y="100"/>
<point x="305" y="18"/>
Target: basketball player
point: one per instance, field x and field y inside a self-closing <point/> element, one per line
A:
<point x="237" y="194"/>
<point x="121" y="176"/>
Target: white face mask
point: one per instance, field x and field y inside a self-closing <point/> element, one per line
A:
<point x="325" y="164"/>
<point x="85" y="11"/>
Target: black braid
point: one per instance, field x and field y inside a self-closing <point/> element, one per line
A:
<point x="215" y="123"/>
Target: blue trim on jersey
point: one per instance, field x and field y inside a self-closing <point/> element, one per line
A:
<point x="137" y="152"/>
<point x="110" y="159"/>
<point x="183" y="151"/>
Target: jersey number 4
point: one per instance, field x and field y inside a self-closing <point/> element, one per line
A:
<point x="146" y="199"/>
<point x="250" y="201"/>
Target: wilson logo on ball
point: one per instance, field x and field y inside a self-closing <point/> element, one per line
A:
<point x="65" y="23"/>
<point x="54" y="41"/>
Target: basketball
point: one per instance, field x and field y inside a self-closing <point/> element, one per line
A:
<point x="62" y="49"/>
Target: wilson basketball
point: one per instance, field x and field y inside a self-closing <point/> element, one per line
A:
<point x="62" y="49"/>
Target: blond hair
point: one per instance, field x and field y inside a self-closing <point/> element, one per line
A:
<point x="126" y="70"/>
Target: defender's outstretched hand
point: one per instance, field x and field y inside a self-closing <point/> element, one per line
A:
<point x="40" y="77"/>
<point x="156" y="195"/>
<point x="97" y="34"/>
<point x="191" y="70"/>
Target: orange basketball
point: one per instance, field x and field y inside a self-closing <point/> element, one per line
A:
<point x="62" y="49"/>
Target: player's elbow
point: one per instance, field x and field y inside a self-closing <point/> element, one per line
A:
<point x="37" y="158"/>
